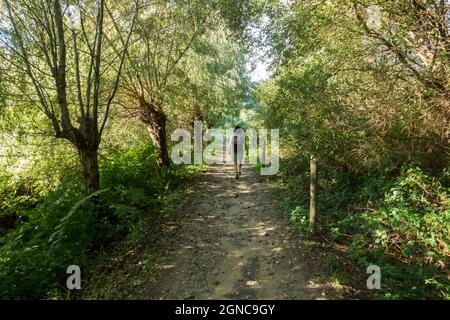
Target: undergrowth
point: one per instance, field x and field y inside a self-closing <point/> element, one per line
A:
<point x="399" y="221"/>
<point x="44" y="229"/>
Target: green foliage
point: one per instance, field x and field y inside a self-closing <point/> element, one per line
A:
<point x="400" y="222"/>
<point x="63" y="227"/>
<point x="120" y="170"/>
<point x="30" y="264"/>
<point x="364" y="105"/>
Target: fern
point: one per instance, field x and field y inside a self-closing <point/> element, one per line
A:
<point x="63" y="222"/>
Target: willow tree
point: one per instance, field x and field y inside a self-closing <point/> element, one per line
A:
<point x="416" y="33"/>
<point x="70" y="73"/>
<point x="166" y="31"/>
<point x="362" y="84"/>
<point x="211" y="80"/>
<point x="412" y="42"/>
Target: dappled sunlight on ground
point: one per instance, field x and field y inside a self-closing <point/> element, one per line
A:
<point x="234" y="244"/>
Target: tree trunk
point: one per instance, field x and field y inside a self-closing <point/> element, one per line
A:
<point x="155" y="119"/>
<point x="158" y="133"/>
<point x="89" y="165"/>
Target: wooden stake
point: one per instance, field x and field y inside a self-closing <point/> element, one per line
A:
<point x="313" y="194"/>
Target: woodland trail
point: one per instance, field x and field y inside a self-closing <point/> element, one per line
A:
<point x="233" y="243"/>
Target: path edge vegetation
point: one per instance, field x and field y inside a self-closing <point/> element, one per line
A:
<point x="345" y="245"/>
<point x="354" y="86"/>
<point x="122" y="270"/>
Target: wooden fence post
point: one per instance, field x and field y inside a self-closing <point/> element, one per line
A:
<point x="313" y="194"/>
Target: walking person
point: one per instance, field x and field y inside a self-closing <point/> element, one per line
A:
<point x="237" y="146"/>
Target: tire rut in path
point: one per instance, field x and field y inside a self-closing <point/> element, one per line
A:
<point x="232" y="243"/>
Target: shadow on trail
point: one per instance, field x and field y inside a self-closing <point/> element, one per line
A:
<point x="233" y="243"/>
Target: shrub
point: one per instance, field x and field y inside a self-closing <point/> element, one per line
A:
<point x="399" y="222"/>
<point x="65" y="228"/>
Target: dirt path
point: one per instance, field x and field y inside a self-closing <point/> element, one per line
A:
<point x="233" y="243"/>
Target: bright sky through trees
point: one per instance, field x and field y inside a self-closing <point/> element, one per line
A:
<point x="260" y="72"/>
<point x="258" y="60"/>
